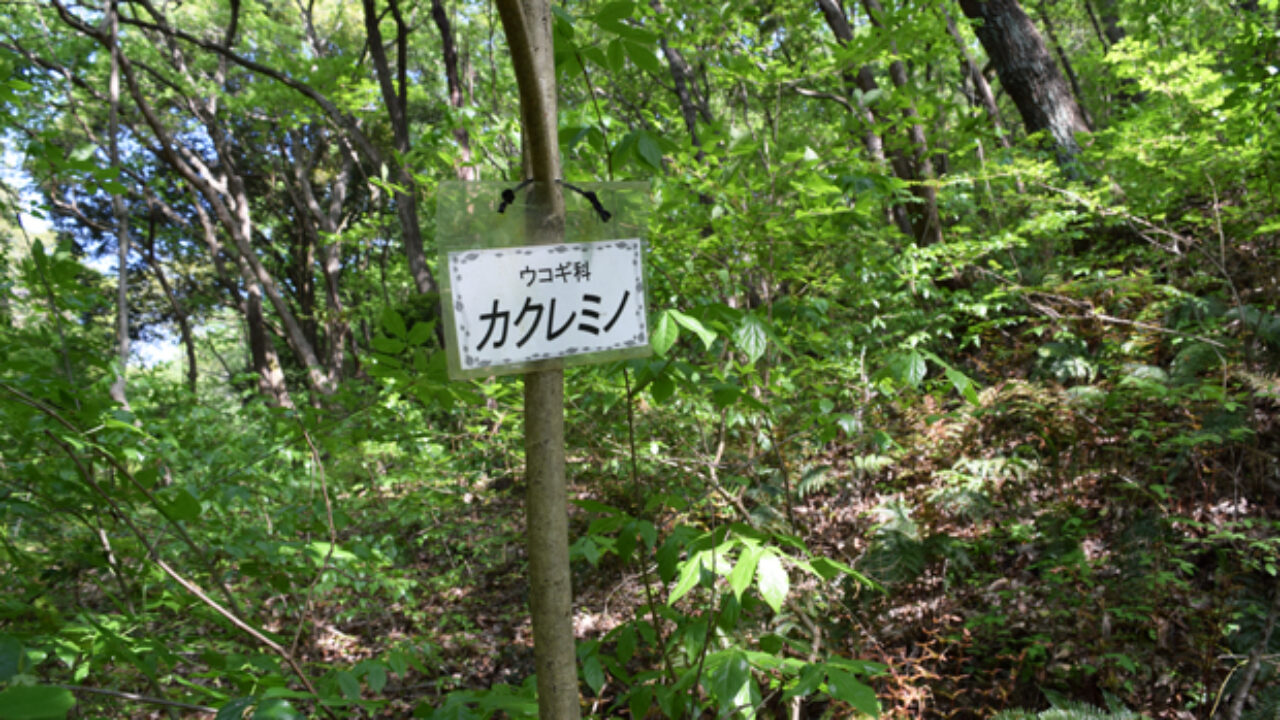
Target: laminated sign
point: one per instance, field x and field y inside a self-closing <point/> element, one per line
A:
<point x="514" y="306"/>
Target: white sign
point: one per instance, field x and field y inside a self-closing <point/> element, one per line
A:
<point x="523" y="304"/>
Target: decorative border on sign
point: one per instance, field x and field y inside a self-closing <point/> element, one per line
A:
<point x="457" y="259"/>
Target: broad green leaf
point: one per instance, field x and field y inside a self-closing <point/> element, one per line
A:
<point x="615" y="11"/>
<point x="665" y="333"/>
<point x="744" y="571"/>
<point x="11" y="657"/>
<point x="35" y="702"/>
<point x="617" y="57"/>
<point x="640" y="701"/>
<point x="376" y="677"/>
<point x="421" y="333"/>
<point x="277" y="709"/>
<point x="646" y="147"/>
<point x="393" y="323"/>
<point x="662" y="388"/>
<point x="593" y="673"/>
<point x="749" y="336"/>
<point x="810" y="680"/>
<point x="772" y="580"/>
<point x="349" y="685"/>
<point x="182" y="505"/>
<point x="690" y="574"/>
<point x="642" y="55"/>
<point x="728" y="673"/>
<point x="234" y="709"/>
<point x="844" y="686"/>
<point x="387" y="345"/>
<point x="693" y="325"/>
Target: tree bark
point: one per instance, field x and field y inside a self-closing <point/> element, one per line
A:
<point x="395" y="96"/>
<point x="527" y="24"/>
<point x="1066" y="64"/>
<point x="865" y="81"/>
<point x="180" y="314"/>
<point x="981" y="87"/>
<point x="453" y="80"/>
<point x="1028" y="73"/>
<point x="118" y="387"/>
<point x="926" y="224"/>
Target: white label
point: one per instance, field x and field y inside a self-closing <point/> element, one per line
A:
<point x="521" y="304"/>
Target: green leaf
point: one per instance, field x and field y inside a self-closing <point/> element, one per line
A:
<point x="728" y="673"/>
<point x="11" y="657"/>
<point x="749" y="336"/>
<point x="277" y="709"/>
<point x="771" y="578"/>
<point x="905" y="368"/>
<point x="810" y="680"/>
<point x="662" y="388"/>
<point x="35" y="702"/>
<point x="643" y="57"/>
<point x="387" y="345"/>
<point x="640" y="701"/>
<point x="665" y="333"/>
<point x="615" y="11"/>
<point x="234" y="709"/>
<point x="844" y="686"/>
<point x="744" y="571"/>
<point x="182" y="505"/>
<point x="349" y="685"/>
<point x="707" y="336"/>
<point x="617" y="57"/>
<point x="646" y="147"/>
<point x="690" y="574"/>
<point x="421" y="333"/>
<point x="393" y="323"/>
<point x="593" y="673"/>
<point x="376" y="677"/>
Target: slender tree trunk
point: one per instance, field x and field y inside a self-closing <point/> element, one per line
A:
<point x="926" y="223"/>
<point x="395" y="97"/>
<point x="981" y="87"/>
<point x="1066" y="64"/>
<point x="1028" y="73"/>
<point x="865" y="81"/>
<point x="1097" y="27"/>
<point x="453" y="79"/>
<point x="266" y="363"/>
<point x="118" y="387"/>
<point x="527" y="24"/>
<point x="184" y="322"/>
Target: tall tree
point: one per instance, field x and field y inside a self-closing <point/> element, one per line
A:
<point x="1027" y="72"/>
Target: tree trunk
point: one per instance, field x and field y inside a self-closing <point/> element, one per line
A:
<point x="926" y="224"/>
<point x="118" y="387"/>
<point x="184" y="322"/>
<point x="527" y="24"/>
<point x="1066" y="64"/>
<point x="395" y="97"/>
<point x="1028" y="73"/>
<point x="453" y="80"/>
<point x="981" y="87"/>
<point x="865" y="81"/>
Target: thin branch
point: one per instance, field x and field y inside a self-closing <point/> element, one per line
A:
<point x="137" y="698"/>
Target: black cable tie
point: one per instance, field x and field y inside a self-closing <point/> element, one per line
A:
<point x="591" y="197"/>
<point x="509" y="195"/>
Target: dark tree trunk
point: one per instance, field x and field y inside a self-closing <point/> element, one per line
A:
<point x="865" y="81"/>
<point x="1027" y="72"/>
<point x="463" y="170"/>
<point x="395" y="96"/>
<point x="1066" y="64"/>
<point x="926" y="224"/>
